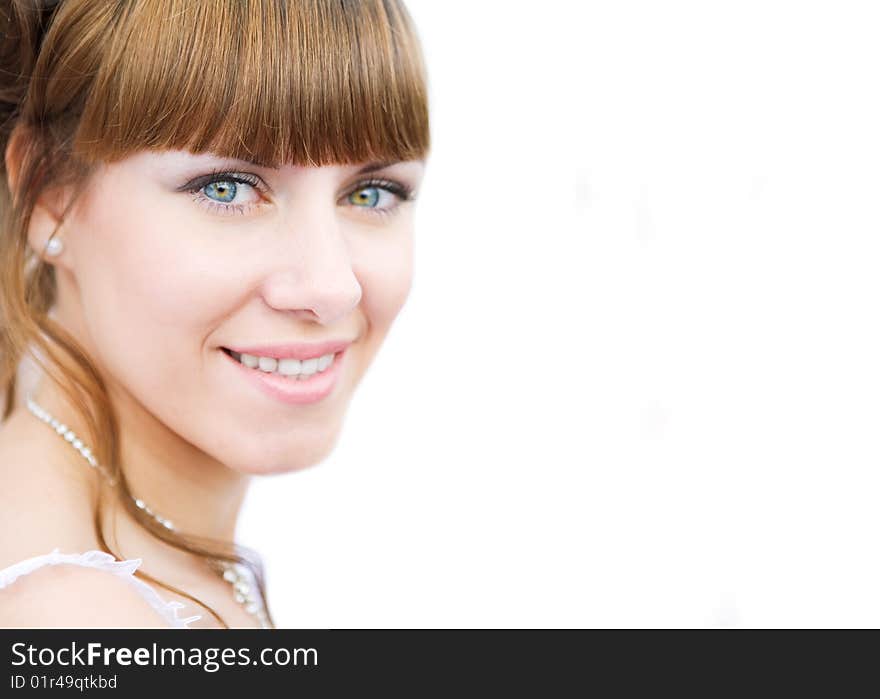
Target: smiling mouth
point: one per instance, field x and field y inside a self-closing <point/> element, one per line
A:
<point x="294" y="369"/>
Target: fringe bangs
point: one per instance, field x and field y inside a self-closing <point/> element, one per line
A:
<point x="308" y="82"/>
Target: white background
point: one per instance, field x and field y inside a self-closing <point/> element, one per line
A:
<point x="636" y="382"/>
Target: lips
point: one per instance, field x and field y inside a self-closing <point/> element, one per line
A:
<point x="292" y="390"/>
<point x="292" y="350"/>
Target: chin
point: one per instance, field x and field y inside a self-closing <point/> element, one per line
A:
<point x="288" y="460"/>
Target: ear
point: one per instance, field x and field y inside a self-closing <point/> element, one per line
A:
<point x="47" y="216"/>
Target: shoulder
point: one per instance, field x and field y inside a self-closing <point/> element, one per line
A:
<point x="66" y="594"/>
<point x="40" y="500"/>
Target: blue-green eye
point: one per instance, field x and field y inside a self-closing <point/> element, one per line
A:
<point x="368" y="197"/>
<point x="379" y="196"/>
<point x="226" y="192"/>
<point x="224" y="189"/>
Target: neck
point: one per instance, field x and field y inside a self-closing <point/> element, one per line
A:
<point x="179" y="482"/>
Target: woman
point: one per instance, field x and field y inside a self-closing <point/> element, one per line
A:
<point x="207" y="214"/>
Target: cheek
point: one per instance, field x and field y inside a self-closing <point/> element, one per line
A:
<point x="385" y="272"/>
<point x="150" y="289"/>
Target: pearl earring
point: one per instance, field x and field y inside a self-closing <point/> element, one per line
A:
<point x="54" y="247"/>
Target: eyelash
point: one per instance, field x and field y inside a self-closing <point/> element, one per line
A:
<point x="399" y="189"/>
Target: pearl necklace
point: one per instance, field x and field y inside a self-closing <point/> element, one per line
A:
<point x="244" y="588"/>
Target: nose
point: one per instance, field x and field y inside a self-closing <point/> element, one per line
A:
<point x="312" y="275"/>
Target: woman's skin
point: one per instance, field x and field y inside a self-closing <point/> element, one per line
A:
<point x="152" y="282"/>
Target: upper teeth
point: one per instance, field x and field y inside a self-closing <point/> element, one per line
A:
<point x="286" y="367"/>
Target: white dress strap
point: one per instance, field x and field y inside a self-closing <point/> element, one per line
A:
<point x="101" y="560"/>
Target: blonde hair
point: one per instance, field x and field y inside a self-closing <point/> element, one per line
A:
<point x="306" y="82"/>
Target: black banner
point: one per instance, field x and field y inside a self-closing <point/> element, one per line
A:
<point x="414" y="662"/>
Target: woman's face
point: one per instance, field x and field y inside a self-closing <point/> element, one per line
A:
<point x="166" y="264"/>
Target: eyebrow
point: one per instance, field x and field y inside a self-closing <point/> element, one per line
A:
<point x="372" y="167"/>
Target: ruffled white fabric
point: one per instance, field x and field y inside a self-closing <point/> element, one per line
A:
<point x="101" y="560"/>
